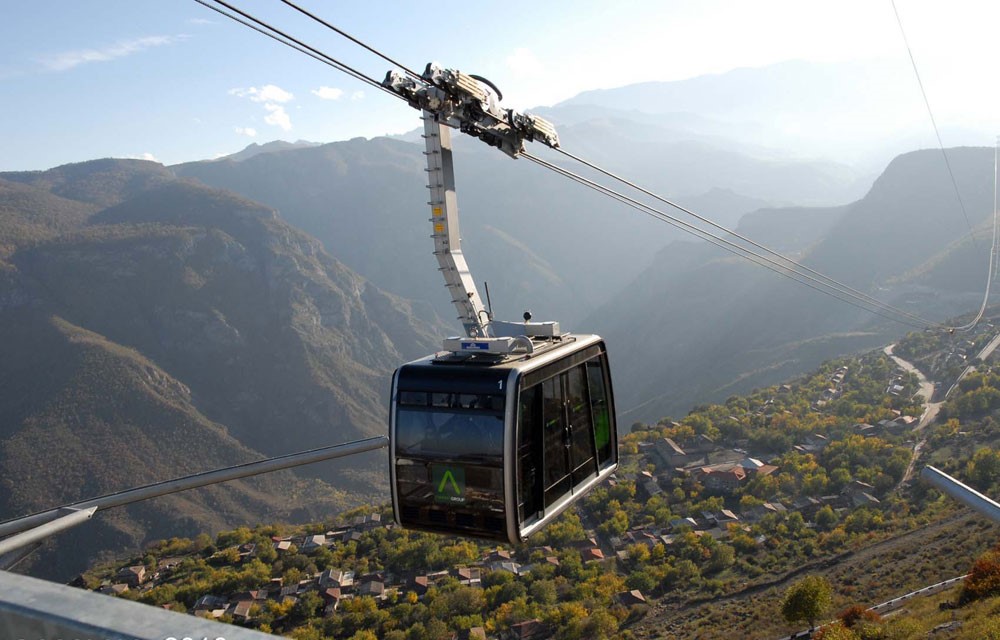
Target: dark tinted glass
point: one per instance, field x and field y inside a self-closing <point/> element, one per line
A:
<point x="556" y="433"/>
<point x="448" y="434"/>
<point x="581" y="427"/>
<point x="414" y="398"/>
<point x="449" y="463"/>
<point x="601" y="412"/>
<point x="529" y="455"/>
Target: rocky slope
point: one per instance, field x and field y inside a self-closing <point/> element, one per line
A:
<point x="182" y="329"/>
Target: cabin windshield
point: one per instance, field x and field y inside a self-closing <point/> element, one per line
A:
<point x="448" y="433"/>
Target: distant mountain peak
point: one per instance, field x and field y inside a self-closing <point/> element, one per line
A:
<point x="254" y="149"/>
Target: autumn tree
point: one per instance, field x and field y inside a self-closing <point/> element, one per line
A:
<point x="983" y="580"/>
<point x="806" y="600"/>
<point x="835" y="631"/>
<point x="857" y="614"/>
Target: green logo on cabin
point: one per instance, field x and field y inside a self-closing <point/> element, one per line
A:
<point x="449" y="484"/>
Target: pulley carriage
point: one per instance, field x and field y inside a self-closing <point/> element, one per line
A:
<point x="503" y="430"/>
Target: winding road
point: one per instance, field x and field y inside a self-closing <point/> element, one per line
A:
<point x="926" y="388"/>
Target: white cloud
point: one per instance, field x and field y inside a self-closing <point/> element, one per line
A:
<point x="328" y="93"/>
<point x="144" y="156"/>
<point x="267" y="93"/>
<point x="68" y="59"/>
<point x="272" y="97"/>
<point x="247" y="131"/>
<point x="524" y="63"/>
<point x="357" y="95"/>
<point x="200" y="21"/>
<point x="278" y="116"/>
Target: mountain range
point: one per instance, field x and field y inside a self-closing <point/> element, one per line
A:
<point x="739" y="326"/>
<point x="157" y="321"/>
<point x="178" y="330"/>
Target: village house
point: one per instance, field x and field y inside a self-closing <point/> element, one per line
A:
<point x="352" y="536"/>
<point x="367" y="522"/>
<point x="807" y="506"/>
<point x="373" y="588"/>
<point x="311" y="543"/>
<point x="723" y="480"/>
<point x="528" y="630"/>
<point x="420" y="584"/>
<point x="646" y="487"/>
<point x="757" y="512"/>
<point x="470" y="576"/>
<point x="132" y="576"/>
<point x="239" y="610"/>
<point x="282" y="546"/>
<point x="473" y="633"/>
<point x="715" y="532"/>
<point x="331" y="600"/>
<point x="211" y="606"/>
<point x="592" y="554"/>
<point x="113" y="589"/>
<point x="500" y="555"/>
<point x="168" y="564"/>
<point x="672" y="455"/>
<point x="336" y="578"/>
<point x="510" y="567"/>
<point x="677" y="523"/>
<point x="630" y="598"/>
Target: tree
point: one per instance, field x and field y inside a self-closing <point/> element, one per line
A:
<point x="983" y="580"/>
<point x="835" y="631"/>
<point x="826" y="518"/>
<point x="858" y="614"/>
<point x="306" y="607"/>
<point x="984" y="468"/>
<point x="722" y="558"/>
<point x="806" y="600"/>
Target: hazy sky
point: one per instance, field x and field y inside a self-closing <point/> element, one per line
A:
<point x="173" y="81"/>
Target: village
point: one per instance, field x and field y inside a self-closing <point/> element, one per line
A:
<point x="653" y="469"/>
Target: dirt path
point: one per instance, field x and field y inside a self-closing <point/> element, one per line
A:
<point x="926" y="388"/>
<point x="930" y="414"/>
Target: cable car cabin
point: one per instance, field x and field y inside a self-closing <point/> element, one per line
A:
<point x="498" y="446"/>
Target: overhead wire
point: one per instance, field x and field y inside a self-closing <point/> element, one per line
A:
<point x="881" y="309"/>
<point x="993" y="253"/>
<point x="326" y="24"/>
<point x="787" y="267"/>
<point x="937" y="132"/>
<point x="270" y="31"/>
<point x="996" y="228"/>
<point x="797" y="265"/>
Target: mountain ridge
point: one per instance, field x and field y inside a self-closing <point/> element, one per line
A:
<point x="265" y="343"/>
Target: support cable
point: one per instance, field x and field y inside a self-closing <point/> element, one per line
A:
<point x="731" y="247"/>
<point x="196" y="480"/>
<point x="787" y="266"/>
<point x="996" y="228"/>
<point x="326" y="24"/>
<point x="993" y="252"/>
<point x="831" y="282"/>
<point x="287" y="40"/>
<point x="927" y="103"/>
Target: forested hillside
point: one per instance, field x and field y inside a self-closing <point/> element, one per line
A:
<point x="177" y="330"/>
<point x="736" y="325"/>
<point x="709" y="520"/>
